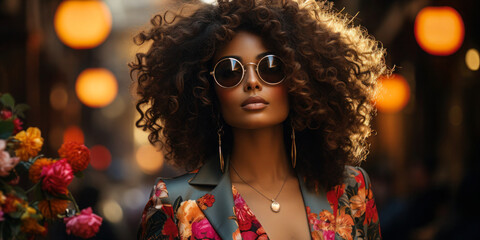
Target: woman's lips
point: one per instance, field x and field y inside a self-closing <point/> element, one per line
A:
<point x="254" y="103"/>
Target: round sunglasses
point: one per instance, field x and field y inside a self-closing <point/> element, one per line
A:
<point x="229" y="72"/>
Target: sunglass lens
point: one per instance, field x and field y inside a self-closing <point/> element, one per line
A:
<point x="228" y="72"/>
<point x="271" y="69"/>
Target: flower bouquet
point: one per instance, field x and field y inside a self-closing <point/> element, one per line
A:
<point x="25" y="212"/>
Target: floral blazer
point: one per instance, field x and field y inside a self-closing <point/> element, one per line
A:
<point x="205" y="205"/>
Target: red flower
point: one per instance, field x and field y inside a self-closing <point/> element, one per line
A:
<point x="57" y="177"/>
<point x="5" y="114"/>
<point x="76" y="154"/>
<point x="170" y="229"/>
<point x="371" y="214"/>
<point x="206" y="201"/>
<point x="84" y="225"/>
<point x="17" y="125"/>
<point x="333" y="196"/>
<point x="359" y="178"/>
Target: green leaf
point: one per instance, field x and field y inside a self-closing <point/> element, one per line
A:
<point x="20" y="109"/>
<point x="6" y="129"/>
<point x="20" y="192"/>
<point x="7" y="100"/>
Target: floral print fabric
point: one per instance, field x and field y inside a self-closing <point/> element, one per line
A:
<point x="354" y="215"/>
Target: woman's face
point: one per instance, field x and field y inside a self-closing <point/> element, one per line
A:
<point x="252" y="104"/>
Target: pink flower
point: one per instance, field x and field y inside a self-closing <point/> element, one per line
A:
<point x="249" y="235"/>
<point x="7" y="163"/>
<point x="203" y="229"/>
<point x="329" y="235"/>
<point x="57" y="177"/>
<point x="84" y="225"/>
<point x="1" y="216"/>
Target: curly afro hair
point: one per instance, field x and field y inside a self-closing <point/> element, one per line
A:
<point x="332" y="68"/>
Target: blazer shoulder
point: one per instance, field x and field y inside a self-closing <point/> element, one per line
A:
<point x="171" y="189"/>
<point x="355" y="175"/>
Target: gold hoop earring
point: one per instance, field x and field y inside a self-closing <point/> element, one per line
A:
<point x="294" y="149"/>
<point x="220" y="155"/>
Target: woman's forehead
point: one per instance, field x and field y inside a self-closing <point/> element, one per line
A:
<point x="244" y="45"/>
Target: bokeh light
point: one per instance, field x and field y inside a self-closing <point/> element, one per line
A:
<point x="472" y="59"/>
<point x="149" y="159"/>
<point x="134" y="198"/>
<point x="96" y="87"/>
<point x="115" y="109"/>
<point x="394" y="94"/>
<point x="112" y="211"/>
<point x="101" y="158"/>
<point x="73" y="134"/>
<point x="439" y="30"/>
<point x="82" y="24"/>
<point x="58" y="97"/>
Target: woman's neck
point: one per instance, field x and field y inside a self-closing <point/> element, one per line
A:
<point x="259" y="155"/>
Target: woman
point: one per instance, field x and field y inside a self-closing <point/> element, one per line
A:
<point x="269" y="101"/>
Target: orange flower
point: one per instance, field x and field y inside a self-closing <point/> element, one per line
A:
<point x="36" y="168"/>
<point x="344" y="225"/>
<point x="51" y="208"/>
<point x="30" y="225"/>
<point x="30" y="143"/>
<point x="187" y="213"/>
<point x="13" y="204"/>
<point x="358" y="203"/>
<point x="77" y="155"/>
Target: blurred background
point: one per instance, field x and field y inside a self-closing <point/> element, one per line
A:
<point x="68" y="61"/>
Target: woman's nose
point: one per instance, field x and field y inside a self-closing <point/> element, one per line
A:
<point x="252" y="80"/>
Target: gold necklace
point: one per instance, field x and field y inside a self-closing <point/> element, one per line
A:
<point x="274" y="206"/>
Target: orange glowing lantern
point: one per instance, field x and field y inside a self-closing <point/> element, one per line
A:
<point x="96" y="87"/>
<point x="393" y="95"/>
<point x="82" y="24"/>
<point x="101" y="158"/>
<point x="73" y="134"/>
<point x="439" y="30"/>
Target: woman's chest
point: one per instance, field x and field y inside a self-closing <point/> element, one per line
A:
<point x="290" y="222"/>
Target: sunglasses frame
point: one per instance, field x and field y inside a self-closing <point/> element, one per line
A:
<point x="244" y="70"/>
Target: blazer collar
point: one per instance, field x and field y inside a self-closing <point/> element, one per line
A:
<point x="221" y="214"/>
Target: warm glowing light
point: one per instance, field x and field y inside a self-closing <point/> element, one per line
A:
<point x="112" y="211"/>
<point x="472" y="59"/>
<point x="73" y="134"/>
<point x="82" y="24"/>
<point x="100" y="157"/>
<point x="149" y="159"/>
<point x="393" y="95"/>
<point x="96" y="87"/>
<point x="58" y="97"/>
<point x="439" y="30"/>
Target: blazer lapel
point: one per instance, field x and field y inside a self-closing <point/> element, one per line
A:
<point x="221" y="213"/>
<point x="315" y="202"/>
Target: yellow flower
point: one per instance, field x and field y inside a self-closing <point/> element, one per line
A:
<point x="31" y="143"/>
<point x="30" y="225"/>
<point x="2" y="198"/>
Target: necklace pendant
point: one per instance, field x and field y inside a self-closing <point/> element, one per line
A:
<point x="275" y="206"/>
